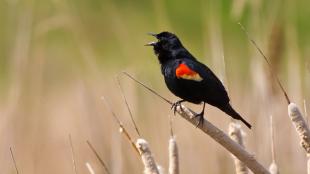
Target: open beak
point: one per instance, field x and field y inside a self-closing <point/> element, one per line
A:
<point x="151" y="43"/>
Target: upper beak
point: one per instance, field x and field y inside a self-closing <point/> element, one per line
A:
<point x="151" y="43"/>
<point x="152" y="34"/>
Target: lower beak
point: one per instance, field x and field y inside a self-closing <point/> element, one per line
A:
<point x="151" y="44"/>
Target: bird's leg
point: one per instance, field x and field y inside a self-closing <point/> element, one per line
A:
<point x="177" y="103"/>
<point x="200" y="115"/>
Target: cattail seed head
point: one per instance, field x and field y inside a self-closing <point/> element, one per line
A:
<point x="301" y="126"/>
<point x="150" y="166"/>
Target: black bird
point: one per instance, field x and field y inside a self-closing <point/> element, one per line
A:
<point x="188" y="78"/>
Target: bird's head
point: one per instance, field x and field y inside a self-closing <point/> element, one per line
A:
<point x="166" y="45"/>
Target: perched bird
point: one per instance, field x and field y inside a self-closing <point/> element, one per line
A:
<point x="188" y="78"/>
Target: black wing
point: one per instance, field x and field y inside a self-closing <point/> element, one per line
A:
<point x="214" y="91"/>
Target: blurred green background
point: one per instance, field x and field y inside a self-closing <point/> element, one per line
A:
<point x="58" y="57"/>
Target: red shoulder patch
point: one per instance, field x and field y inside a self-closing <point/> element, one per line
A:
<point x="184" y="72"/>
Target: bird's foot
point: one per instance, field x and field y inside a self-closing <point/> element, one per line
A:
<point x="201" y="119"/>
<point x="175" y="105"/>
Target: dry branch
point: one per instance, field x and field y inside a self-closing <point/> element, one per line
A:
<point x="150" y="166"/>
<point x="301" y="126"/>
<point x="215" y="133"/>
<point x="235" y="133"/>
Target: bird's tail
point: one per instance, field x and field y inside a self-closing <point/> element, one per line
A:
<point x="230" y="111"/>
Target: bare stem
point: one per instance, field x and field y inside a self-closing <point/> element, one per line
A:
<point x="122" y="129"/>
<point x="98" y="157"/>
<point x="215" y="133"/>
<point x="273" y="168"/>
<point x="148" y="88"/>
<point x="267" y="60"/>
<point x="173" y="152"/>
<point x="72" y="154"/>
<point x="14" y="161"/>
<point x="127" y="105"/>
<point x="272" y="139"/>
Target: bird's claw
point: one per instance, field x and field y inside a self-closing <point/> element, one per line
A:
<point x="175" y="105"/>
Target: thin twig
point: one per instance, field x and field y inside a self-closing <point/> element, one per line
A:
<point x="72" y="154"/>
<point x="127" y="105"/>
<point x="98" y="157"/>
<point x="14" y="161"/>
<point x="111" y="111"/>
<point x="122" y="129"/>
<point x="218" y="135"/>
<point x="267" y="60"/>
<point x="154" y="92"/>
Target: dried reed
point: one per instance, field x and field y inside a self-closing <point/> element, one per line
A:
<point x="141" y="145"/>
<point x="72" y="154"/>
<point x="98" y="157"/>
<point x="89" y="168"/>
<point x="14" y="161"/>
<point x="269" y="64"/>
<point x="215" y="133"/>
<point x="173" y="156"/>
<point x="273" y="168"/>
<point x="122" y="129"/>
<point x="301" y="126"/>
<point x="173" y="152"/>
<point x="127" y="106"/>
<point x="150" y="166"/>
<point x="235" y="133"/>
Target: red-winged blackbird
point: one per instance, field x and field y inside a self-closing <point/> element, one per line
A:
<point x="189" y="79"/>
